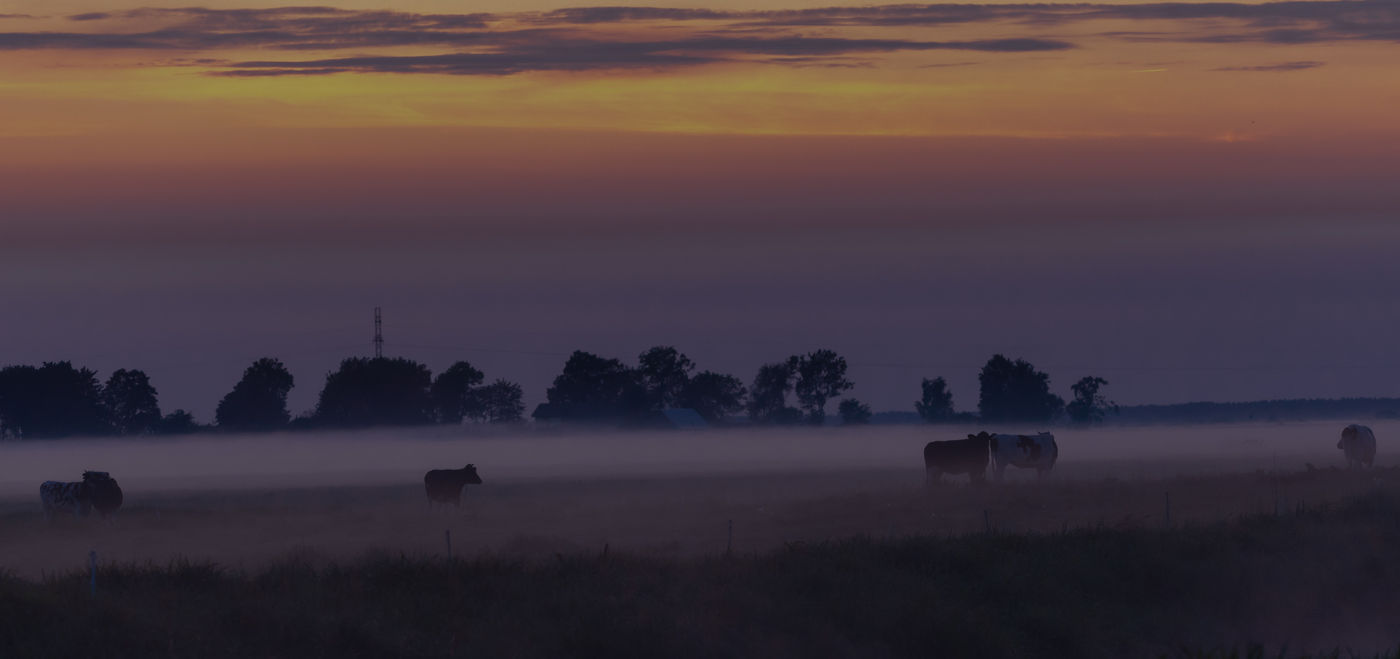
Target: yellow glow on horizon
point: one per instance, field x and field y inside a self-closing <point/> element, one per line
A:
<point x="1200" y="91"/>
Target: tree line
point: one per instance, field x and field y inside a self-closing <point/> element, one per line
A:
<point x="60" y="400"/>
<point x="57" y="399"/>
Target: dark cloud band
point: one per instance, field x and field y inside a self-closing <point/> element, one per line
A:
<point x="1275" y="68"/>
<point x="587" y="55"/>
<point x="595" y="38"/>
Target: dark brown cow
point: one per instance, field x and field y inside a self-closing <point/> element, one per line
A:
<point x="957" y="456"/>
<point x="445" y="485"/>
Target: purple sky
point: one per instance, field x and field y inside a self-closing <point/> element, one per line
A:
<point x="1203" y="271"/>
<point x="1165" y="311"/>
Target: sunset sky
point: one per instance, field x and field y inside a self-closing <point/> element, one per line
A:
<point x="1194" y="201"/>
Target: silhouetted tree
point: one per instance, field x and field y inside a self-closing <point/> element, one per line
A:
<point x="854" y="412"/>
<point x="453" y="393"/>
<point x="1016" y="392"/>
<point x="53" y="400"/>
<point x="821" y="375"/>
<point x="714" y="396"/>
<point x="178" y="422"/>
<point x="594" y="389"/>
<point x="303" y="422"/>
<point x="498" y="402"/>
<point x="379" y="391"/>
<point x="664" y="372"/>
<point x="937" y="402"/>
<point x="1089" y="406"/>
<point x="17" y="395"/>
<point x="259" y="400"/>
<point x="131" y="402"/>
<point x="768" y="396"/>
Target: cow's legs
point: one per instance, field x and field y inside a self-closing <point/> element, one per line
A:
<point x="1001" y="471"/>
<point x="931" y="477"/>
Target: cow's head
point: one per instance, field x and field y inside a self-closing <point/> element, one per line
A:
<point x="1348" y="435"/>
<point x="102" y="490"/>
<point x="472" y="477"/>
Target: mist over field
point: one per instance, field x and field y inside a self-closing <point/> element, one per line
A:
<point x="244" y="500"/>
<point x="400" y="456"/>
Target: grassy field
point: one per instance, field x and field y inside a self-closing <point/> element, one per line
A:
<point x="1316" y="579"/>
<point x="1147" y="542"/>
<point x="672" y="517"/>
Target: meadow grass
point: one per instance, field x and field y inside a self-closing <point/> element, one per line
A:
<point x="1322" y="581"/>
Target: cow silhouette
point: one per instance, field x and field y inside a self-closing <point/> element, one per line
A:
<point x="1358" y="444"/>
<point x="445" y="485"/>
<point x="957" y="456"/>
<point x="97" y="490"/>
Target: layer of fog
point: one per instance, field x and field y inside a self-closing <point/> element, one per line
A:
<point x="389" y="457"/>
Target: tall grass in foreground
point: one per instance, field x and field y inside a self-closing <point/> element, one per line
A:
<point x="1325" y="579"/>
<point x="1259" y="652"/>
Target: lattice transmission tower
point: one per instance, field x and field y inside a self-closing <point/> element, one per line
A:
<point x="378" y="334"/>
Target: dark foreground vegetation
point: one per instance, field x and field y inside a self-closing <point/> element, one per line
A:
<point x="1322" y="580"/>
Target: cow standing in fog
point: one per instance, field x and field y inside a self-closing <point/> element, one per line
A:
<point x="445" y="485"/>
<point x="1358" y="443"/>
<point x="1037" y="452"/>
<point x="957" y="456"/>
<point x="97" y="490"/>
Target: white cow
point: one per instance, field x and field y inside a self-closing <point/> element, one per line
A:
<point x="1037" y="452"/>
<point x="1358" y="443"/>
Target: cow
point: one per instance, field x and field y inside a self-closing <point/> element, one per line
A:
<point x="956" y="456"/>
<point x="1358" y="443"/>
<point x="97" y="490"/>
<point x="1037" y="452"/>
<point x="445" y="485"/>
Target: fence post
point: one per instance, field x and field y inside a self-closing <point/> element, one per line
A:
<point x="987" y="520"/>
<point x="729" y="543"/>
<point x="447" y="534"/>
<point x="1167" y="509"/>
<point x="92" y="571"/>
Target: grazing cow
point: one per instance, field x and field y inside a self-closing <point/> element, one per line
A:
<point x="956" y="456"/>
<point x="1037" y="452"/>
<point x="445" y="485"/>
<point x="106" y="494"/>
<point x="1359" y="445"/>
<point x="97" y="490"/>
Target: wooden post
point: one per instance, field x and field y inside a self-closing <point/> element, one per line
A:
<point x="729" y="544"/>
<point x="987" y="520"/>
<point x="447" y="533"/>
<point x="1167" y="510"/>
<point x="92" y="570"/>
